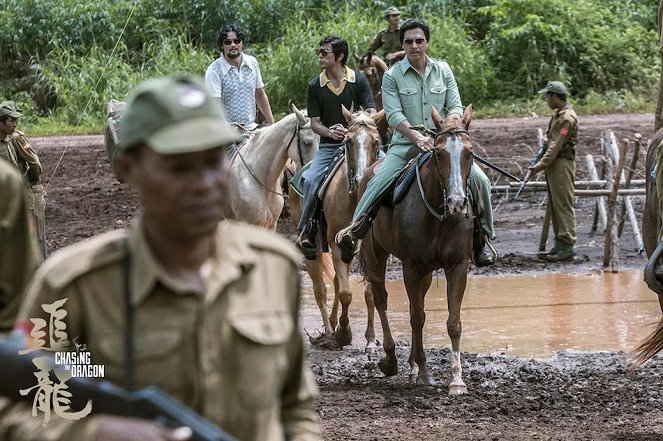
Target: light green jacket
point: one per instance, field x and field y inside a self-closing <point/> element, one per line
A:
<point x="406" y="95"/>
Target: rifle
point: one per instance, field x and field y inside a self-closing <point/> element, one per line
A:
<point x="149" y="403"/>
<point x="543" y="145"/>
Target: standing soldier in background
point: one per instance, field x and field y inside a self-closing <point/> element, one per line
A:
<point x="15" y="148"/>
<point x="19" y="257"/>
<point x="387" y="39"/>
<point x="214" y="304"/>
<point x="559" y="163"/>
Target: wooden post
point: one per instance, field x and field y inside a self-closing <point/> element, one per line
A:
<point x="627" y="184"/>
<point x="611" y="253"/>
<point x="599" y="210"/>
<point x="545" y="229"/>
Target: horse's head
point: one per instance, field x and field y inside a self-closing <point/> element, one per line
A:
<point x="374" y="68"/>
<point x="362" y="144"/>
<point x="453" y="148"/>
<point x="308" y="142"/>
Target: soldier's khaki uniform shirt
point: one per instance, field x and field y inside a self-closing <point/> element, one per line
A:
<point x="16" y="150"/>
<point x="562" y="137"/>
<point x="388" y="41"/>
<point x="234" y="354"/>
<point x="19" y="256"/>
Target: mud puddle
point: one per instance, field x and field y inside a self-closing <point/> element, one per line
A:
<point x="520" y="315"/>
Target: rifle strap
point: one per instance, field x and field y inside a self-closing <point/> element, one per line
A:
<point x="129" y="320"/>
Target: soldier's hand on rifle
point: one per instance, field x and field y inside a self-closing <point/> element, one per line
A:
<point x="533" y="169"/>
<point x="112" y="428"/>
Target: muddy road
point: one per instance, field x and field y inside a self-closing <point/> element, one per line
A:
<point x="572" y="395"/>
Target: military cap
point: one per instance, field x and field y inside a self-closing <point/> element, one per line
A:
<point x="391" y="11"/>
<point x="10" y="108"/>
<point x="555" y="87"/>
<point x="174" y="114"/>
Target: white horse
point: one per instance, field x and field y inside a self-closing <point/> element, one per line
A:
<point x="256" y="196"/>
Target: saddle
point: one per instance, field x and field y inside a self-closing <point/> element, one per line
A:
<point x="297" y="181"/>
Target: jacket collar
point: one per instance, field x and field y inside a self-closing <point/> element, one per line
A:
<point x="231" y="258"/>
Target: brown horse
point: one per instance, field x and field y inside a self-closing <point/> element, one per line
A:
<point x="374" y="68"/>
<point x="430" y="228"/>
<point x="339" y="201"/>
<point x="256" y="195"/>
<point x="650" y="227"/>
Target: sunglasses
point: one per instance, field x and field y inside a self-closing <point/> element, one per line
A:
<point x="229" y="41"/>
<point x="323" y="52"/>
<point x="419" y="41"/>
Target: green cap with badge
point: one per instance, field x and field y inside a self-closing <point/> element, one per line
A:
<point x="10" y="108"/>
<point x="555" y="87"/>
<point x="174" y="114"/>
<point x="392" y="10"/>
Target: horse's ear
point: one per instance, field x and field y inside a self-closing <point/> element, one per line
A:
<point x="357" y="57"/>
<point x="437" y="119"/>
<point x="347" y="113"/>
<point x="300" y="116"/>
<point x="467" y="116"/>
<point x="378" y="116"/>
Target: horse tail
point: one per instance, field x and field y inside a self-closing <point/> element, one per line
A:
<point x="649" y="347"/>
<point x="327" y="265"/>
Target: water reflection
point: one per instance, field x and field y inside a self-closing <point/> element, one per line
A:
<point x="523" y="315"/>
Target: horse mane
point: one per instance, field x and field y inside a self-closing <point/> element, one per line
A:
<point x="363" y="118"/>
<point x="261" y="132"/>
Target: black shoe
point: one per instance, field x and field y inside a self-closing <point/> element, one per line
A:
<point x="484" y="258"/>
<point x="307" y="246"/>
<point x="348" y="244"/>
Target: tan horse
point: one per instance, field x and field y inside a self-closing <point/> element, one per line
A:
<point x="256" y="195"/>
<point x="340" y="199"/>
<point x="650" y="226"/>
<point x="430" y="228"/>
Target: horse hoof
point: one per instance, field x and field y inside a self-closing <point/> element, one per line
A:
<point x="371" y="348"/>
<point x="457" y="389"/>
<point x="387" y="367"/>
<point x="422" y="380"/>
<point x="343" y="336"/>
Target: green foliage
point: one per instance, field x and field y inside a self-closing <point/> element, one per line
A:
<point x="582" y="42"/>
<point x="501" y="51"/>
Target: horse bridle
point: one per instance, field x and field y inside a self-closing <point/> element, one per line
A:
<point x="299" y="152"/>
<point x="445" y="210"/>
<point x="352" y="187"/>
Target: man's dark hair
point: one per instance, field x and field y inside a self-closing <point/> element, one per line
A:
<point x="223" y="34"/>
<point x="4" y="118"/>
<point x="413" y="23"/>
<point x="339" y="46"/>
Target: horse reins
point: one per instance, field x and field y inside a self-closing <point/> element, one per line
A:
<point x="301" y="160"/>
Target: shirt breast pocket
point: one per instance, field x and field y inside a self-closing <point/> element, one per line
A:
<point x="408" y="97"/>
<point x="260" y="352"/>
<point x="438" y="96"/>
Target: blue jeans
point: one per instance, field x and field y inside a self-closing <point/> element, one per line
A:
<point x="320" y="165"/>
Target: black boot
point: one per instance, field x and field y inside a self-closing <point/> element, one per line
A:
<point x="306" y="241"/>
<point x="483" y="256"/>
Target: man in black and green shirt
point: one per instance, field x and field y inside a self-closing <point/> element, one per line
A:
<point x="337" y="85"/>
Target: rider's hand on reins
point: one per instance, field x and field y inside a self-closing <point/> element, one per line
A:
<point x="425" y="143"/>
<point x="337" y="132"/>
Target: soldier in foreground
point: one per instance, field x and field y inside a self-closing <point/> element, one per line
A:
<point x="19" y="257"/>
<point x="213" y="305"/>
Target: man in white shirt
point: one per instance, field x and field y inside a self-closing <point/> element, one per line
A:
<point x="235" y="79"/>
